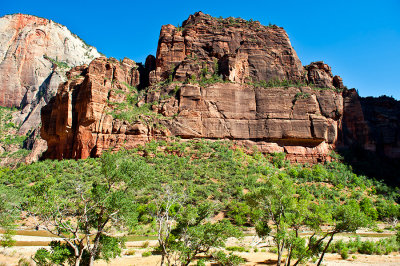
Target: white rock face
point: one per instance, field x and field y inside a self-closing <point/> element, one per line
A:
<point x="35" y="54"/>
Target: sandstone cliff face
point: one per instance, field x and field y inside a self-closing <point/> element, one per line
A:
<point x="79" y="122"/>
<point x="244" y="50"/>
<point x="34" y="55"/>
<point x="372" y="123"/>
<point x="203" y="84"/>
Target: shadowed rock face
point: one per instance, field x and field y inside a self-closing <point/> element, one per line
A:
<point x="244" y="50"/>
<point x="372" y="123"/>
<point x="78" y="122"/>
<point x="34" y="56"/>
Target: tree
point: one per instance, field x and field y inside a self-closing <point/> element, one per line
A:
<point x="9" y="211"/>
<point x="275" y="202"/>
<point x="83" y="212"/>
<point x="182" y="229"/>
<point x="168" y="204"/>
<point x="346" y="218"/>
<point x="201" y="238"/>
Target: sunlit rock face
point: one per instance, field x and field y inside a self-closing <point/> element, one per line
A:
<point x="78" y="122"/>
<point x="34" y="56"/>
<point x="306" y="118"/>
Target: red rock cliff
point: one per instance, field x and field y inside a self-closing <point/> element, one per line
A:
<point x="203" y="84"/>
<point x="80" y="121"/>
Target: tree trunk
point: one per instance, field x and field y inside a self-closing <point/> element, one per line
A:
<point x="78" y="261"/>
<point x="162" y="258"/>
<point x="325" y="249"/>
<point x="91" y="260"/>
<point x="289" y="256"/>
<point x="280" y="250"/>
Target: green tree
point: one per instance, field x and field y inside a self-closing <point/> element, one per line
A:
<point x="346" y="218"/>
<point x="275" y="203"/>
<point x="9" y="211"/>
<point x="201" y="238"/>
<point x="82" y="213"/>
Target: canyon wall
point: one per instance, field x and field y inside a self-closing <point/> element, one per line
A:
<point x="215" y="78"/>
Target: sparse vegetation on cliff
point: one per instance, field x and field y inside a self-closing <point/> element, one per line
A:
<point x="11" y="143"/>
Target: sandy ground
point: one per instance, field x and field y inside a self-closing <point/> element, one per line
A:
<point x="11" y="256"/>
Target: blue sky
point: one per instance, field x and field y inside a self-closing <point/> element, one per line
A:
<point x="360" y="40"/>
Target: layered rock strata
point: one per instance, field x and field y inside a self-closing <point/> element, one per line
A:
<point x="79" y="122"/>
<point x="211" y="79"/>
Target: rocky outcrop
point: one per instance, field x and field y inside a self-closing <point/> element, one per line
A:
<point x="34" y="56"/>
<point x="77" y="123"/>
<point x="320" y="75"/>
<point x="243" y="50"/>
<point x="81" y="120"/>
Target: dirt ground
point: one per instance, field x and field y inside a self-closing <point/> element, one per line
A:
<point x="252" y="258"/>
<point x="11" y="256"/>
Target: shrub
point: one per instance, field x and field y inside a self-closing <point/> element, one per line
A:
<point x="227" y="260"/>
<point x="367" y="247"/>
<point x="130" y="252"/>
<point x="344" y="253"/>
<point x="147" y="254"/>
<point x="145" y="244"/>
<point x="237" y="248"/>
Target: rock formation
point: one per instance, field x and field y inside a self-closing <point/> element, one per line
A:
<point x="216" y="79"/>
<point x="244" y="50"/>
<point x="372" y="124"/>
<point x="35" y="54"/>
<point x="79" y="122"/>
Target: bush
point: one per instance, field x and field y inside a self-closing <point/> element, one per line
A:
<point x="24" y="262"/>
<point x="147" y="254"/>
<point x="237" y="248"/>
<point x="227" y="260"/>
<point x="145" y="244"/>
<point x="367" y="247"/>
<point x="344" y="253"/>
<point x="130" y="252"/>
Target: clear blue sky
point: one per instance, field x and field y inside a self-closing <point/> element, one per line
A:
<point x="360" y="40"/>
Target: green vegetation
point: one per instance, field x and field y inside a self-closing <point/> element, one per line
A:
<point x="93" y="204"/>
<point x="301" y="95"/>
<point x="133" y="108"/>
<point x="176" y="188"/>
<point x="381" y="247"/>
<point x="208" y="77"/>
<point x="10" y="140"/>
<point x="60" y="64"/>
<point x="274" y="82"/>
